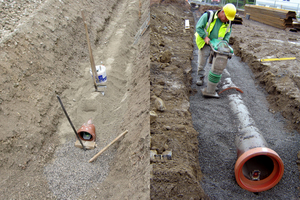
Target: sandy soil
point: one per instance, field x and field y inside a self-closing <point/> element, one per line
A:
<point x="170" y="81"/>
<point x="44" y="54"/>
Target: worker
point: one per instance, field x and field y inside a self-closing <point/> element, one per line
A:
<point x="212" y="25"/>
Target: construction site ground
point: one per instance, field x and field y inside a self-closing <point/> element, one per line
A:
<point x="201" y="131"/>
<point x="44" y="53"/>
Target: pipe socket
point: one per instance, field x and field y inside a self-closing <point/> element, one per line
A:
<point x="87" y="132"/>
<point x="258" y="168"/>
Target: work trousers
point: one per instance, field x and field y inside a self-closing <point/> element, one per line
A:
<point x="203" y="55"/>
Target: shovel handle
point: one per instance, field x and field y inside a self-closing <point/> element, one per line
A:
<point x="100" y="152"/>
<point x="95" y="77"/>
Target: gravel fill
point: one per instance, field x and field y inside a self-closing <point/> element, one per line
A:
<point x="70" y="174"/>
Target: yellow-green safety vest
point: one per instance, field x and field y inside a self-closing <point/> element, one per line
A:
<point x="225" y="28"/>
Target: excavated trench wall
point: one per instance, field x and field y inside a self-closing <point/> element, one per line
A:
<point x="171" y="51"/>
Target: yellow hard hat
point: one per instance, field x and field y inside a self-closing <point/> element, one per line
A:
<point x="230" y="11"/>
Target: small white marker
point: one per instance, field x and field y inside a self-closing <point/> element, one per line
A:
<point x="187" y="24"/>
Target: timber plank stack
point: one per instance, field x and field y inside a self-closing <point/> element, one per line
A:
<point x="296" y="25"/>
<point x="275" y="17"/>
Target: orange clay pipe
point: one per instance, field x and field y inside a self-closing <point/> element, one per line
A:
<point x="238" y="89"/>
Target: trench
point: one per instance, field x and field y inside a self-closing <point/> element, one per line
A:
<point x="217" y="126"/>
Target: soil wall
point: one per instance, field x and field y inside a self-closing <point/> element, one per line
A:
<point x="45" y="54"/>
<point x="171" y="51"/>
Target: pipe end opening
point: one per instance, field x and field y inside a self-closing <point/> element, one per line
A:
<point x="258" y="169"/>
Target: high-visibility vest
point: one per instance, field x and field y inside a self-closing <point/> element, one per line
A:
<point x="225" y="28"/>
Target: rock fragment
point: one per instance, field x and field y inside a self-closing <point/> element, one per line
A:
<point x="153" y="116"/>
<point x="159" y="104"/>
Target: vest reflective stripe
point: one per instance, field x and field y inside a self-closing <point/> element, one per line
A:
<point x="208" y="21"/>
<point x="225" y="28"/>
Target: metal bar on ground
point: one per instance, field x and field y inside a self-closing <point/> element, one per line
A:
<point x="70" y="121"/>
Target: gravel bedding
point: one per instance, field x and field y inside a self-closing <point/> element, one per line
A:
<point x="217" y="127"/>
<point x="70" y="174"/>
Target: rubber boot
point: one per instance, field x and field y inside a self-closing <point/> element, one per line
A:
<point x="200" y="71"/>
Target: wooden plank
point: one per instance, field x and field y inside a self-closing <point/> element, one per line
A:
<point x="296" y="25"/>
<point x="283" y="14"/>
<point x="104" y="149"/>
<point x="266" y="12"/>
<point x="279" y="23"/>
<point x="270" y="22"/>
<point x="87" y="144"/>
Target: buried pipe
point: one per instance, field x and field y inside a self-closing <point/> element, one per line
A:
<point x="258" y="168"/>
